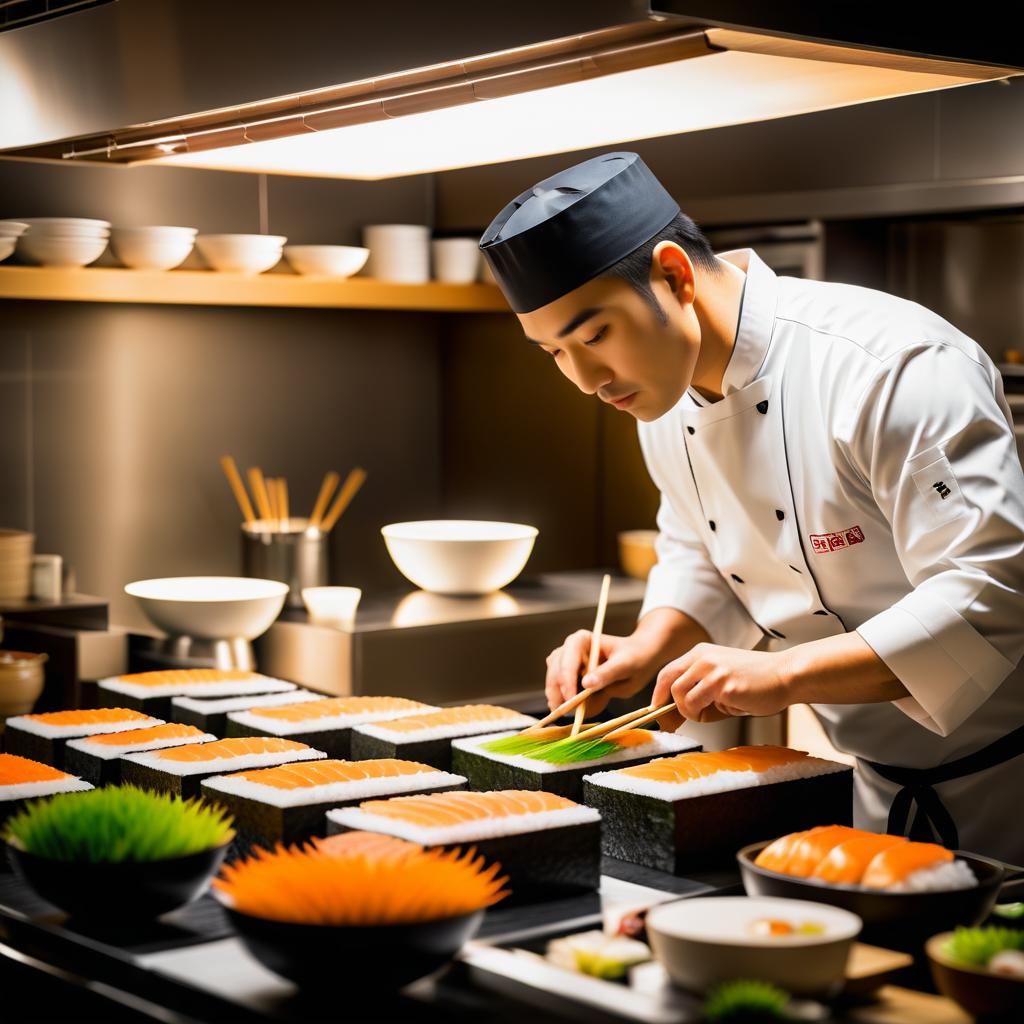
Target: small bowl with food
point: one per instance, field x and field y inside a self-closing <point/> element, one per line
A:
<point x="982" y="969"/>
<point x="800" y="946"/>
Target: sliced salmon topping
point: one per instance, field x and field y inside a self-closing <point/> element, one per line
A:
<point x="167" y="677"/>
<point x="323" y="773"/>
<point x="94" y="716"/>
<point x="468" y="713"/>
<point x="895" y="864"/>
<point x="815" y="846"/>
<point x="440" y="809"/>
<point x="775" y="856"/>
<point x="15" y="771"/>
<point x="170" y="731"/>
<point x="330" y="707"/>
<point x="845" y="863"/>
<point x="224" y="749"/>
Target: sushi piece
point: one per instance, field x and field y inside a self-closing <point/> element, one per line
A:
<point x="151" y="692"/>
<point x="288" y="804"/>
<point x="546" y="845"/>
<point x="867" y="860"/>
<point x="211" y="713"/>
<point x="326" y="724"/>
<point x="43" y="737"/>
<point x="97" y="759"/>
<point x="22" y="780"/>
<point x="181" y="770"/>
<point x="547" y="761"/>
<point x="691" y="810"/>
<point x="428" y="737"/>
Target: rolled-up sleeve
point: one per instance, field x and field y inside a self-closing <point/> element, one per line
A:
<point x="684" y="577"/>
<point x="934" y="441"/>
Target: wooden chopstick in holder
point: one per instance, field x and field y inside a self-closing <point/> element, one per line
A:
<point x="348" y="491"/>
<point x="227" y="463"/>
<point x="259" y="490"/>
<point x="326" y="490"/>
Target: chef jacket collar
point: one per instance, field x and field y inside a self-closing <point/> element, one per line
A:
<point x="756" y="321"/>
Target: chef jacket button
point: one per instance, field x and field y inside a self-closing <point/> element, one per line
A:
<point x="775" y="632"/>
<point x="779" y="514"/>
<point x="762" y="407"/>
<point x="821" y="613"/>
<point x="736" y="578"/>
<point x="691" y="430"/>
<point x="711" y="523"/>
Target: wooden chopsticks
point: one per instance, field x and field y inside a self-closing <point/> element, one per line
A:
<point x="631" y="720"/>
<point x="271" y="498"/>
<point x="595" y="650"/>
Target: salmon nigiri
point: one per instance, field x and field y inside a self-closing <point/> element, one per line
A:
<point x="845" y="862"/>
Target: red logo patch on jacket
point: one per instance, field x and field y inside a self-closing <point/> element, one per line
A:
<point x="823" y="543"/>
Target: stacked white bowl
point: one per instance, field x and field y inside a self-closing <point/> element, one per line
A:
<point x="63" y="241"/>
<point x="152" y="248"/>
<point x="10" y="232"/>
<point x="241" y="254"/>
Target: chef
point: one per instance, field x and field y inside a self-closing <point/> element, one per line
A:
<point x="838" y="479"/>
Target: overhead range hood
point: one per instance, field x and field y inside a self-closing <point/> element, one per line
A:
<point x="376" y="91"/>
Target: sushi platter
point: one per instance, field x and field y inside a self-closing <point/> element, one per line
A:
<point x="193" y="844"/>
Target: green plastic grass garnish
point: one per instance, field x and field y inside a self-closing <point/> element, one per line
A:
<point x="1011" y="911"/>
<point x="976" y="946"/>
<point x="744" y="1000"/>
<point x="562" y="751"/>
<point x="117" y="824"/>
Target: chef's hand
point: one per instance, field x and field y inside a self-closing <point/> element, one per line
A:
<point x="710" y="682"/>
<point x="627" y="665"/>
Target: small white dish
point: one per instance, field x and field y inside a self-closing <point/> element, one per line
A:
<point x="241" y="254"/>
<point x="67" y="226"/>
<point x="708" y="940"/>
<point x="326" y="260"/>
<point x="332" y="606"/>
<point x="459" y="556"/>
<point x="12" y="228"/>
<point x="152" y="248"/>
<point x="7" y="246"/>
<point x="456" y="260"/>
<point x="67" y="251"/>
<point x="210" y="607"/>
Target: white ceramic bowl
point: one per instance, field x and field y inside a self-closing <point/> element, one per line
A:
<point x="7" y="246"/>
<point x="12" y="228"/>
<point x="241" y="254"/>
<point x="706" y="941"/>
<point x="210" y="607"/>
<point x="68" y="226"/>
<point x="63" y="251"/>
<point x="455" y="260"/>
<point x="152" y="248"/>
<point x="398" y="252"/>
<point x="331" y="606"/>
<point x="459" y="556"/>
<point x="326" y="260"/>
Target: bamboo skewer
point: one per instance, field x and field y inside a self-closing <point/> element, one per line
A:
<point x="326" y="490"/>
<point x="272" y="499"/>
<point x="227" y="463"/>
<point x="348" y="491"/>
<point x="563" y="709"/>
<point x="595" y="649"/>
<point x="639" y="723"/>
<point x="259" y="490"/>
<point x="601" y="728"/>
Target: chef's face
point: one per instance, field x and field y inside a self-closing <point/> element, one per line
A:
<point x="605" y="337"/>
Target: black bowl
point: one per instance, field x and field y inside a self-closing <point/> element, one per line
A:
<point x="896" y="920"/>
<point x="317" y="956"/>
<point x="124" y="892"/>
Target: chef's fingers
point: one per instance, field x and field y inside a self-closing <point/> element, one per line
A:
<point x="691" y="697"/>
<point x="667" y="676"/>
<point x="620" y="666"/>
<point x="568" y="660"/>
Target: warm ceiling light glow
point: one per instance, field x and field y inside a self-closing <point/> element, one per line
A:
<point x="730" y="87"/>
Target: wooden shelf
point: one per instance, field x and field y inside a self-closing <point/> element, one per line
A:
<point x="210" y="288"/>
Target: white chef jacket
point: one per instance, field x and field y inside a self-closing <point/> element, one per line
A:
<point x="859" y="473"/>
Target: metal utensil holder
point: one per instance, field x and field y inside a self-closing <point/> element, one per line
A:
<point x="297" y="555"/>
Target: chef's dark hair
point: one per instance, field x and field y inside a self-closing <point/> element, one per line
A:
<point x="635" y="268"/>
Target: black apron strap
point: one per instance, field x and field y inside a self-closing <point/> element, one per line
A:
<point x="916" y="789"/>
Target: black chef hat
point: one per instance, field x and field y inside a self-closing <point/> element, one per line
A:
<point x="573" y="226"/>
